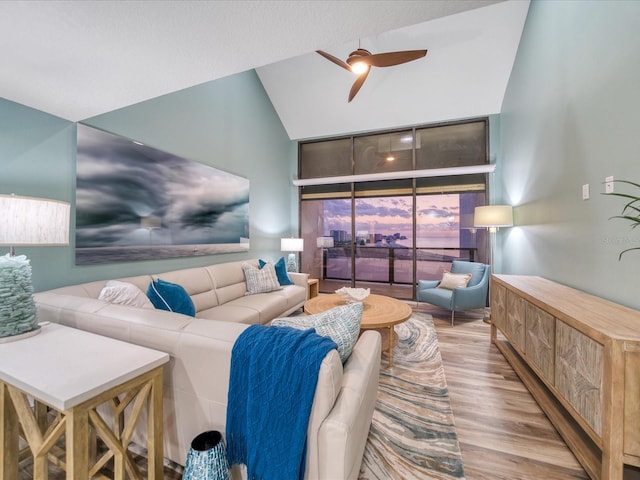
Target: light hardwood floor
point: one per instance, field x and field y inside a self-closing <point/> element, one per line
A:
<point x="502" y="432"/>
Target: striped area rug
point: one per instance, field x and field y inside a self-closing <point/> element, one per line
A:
<point x="413" y="434"/>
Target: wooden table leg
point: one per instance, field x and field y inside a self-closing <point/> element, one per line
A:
<point x="77" y="438"/>
<point x="154" y="427"/>
<point x="8" y="437"/>
<point x="391" y="332"/>
<point x="390" y="339"/>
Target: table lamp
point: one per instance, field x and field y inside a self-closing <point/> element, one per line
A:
<point x="292" y="245"/>
<point x="25" y="221"/>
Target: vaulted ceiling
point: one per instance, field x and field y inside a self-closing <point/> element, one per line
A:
<point x="78" y="59"/>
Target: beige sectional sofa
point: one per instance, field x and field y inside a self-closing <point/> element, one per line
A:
<point x="196" y="379"/>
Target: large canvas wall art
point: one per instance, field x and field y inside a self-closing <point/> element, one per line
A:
<point x="134" y="202"/>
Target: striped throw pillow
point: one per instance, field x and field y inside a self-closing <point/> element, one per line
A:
<point x="260" y="280"/>
<point x="341" y="324"/>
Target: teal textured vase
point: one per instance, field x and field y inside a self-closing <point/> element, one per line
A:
<point x="207" y="458"/>
<point x="17" y="308"/>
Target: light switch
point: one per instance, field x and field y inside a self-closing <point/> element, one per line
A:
<point x="608" y="185"/>
<point x="585" y="192"/>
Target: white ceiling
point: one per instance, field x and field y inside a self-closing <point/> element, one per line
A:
<point x="465" y="74"/>
<point x="78" y="59"/>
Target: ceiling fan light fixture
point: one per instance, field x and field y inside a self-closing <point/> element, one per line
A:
<point x="360" y="62"/>
<point x="359" y="68"/>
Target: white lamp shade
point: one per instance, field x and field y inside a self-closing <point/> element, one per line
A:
<point x="291" y="244"/>
<point x="492" y="216"/>
<point x="33" y="221"/>
<point x="324" y="242"/>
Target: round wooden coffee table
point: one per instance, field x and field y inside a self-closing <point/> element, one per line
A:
<point x="380" y="313"/>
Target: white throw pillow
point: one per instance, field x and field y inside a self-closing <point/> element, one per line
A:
<point x="123" y="293"/>
<point x="341" y="324"/>
<point x="454" y="280"/>
<point x="260" y="280"/>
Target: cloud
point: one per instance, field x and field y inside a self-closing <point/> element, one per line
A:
<point x="119" y="183"/>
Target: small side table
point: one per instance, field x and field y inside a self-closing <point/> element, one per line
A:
<point x="314" y="287"/>
<point x="74" y="372"/>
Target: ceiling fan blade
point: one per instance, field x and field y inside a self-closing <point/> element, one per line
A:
<point x="393" y="58"/>
<point x="335" y="60"/>
<point x="358" y="84"/>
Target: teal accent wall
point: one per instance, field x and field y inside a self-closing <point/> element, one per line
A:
<point x="228" y="124"/>
<point x="569" y="118"/>
<point x="37" y="159"/>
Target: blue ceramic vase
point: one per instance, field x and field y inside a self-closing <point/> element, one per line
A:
<point x="207" y="458"/>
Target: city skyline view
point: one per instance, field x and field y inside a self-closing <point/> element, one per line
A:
<point x="437" y="219"/>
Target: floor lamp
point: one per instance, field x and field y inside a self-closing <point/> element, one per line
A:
<point x="25" y="221"/>
<point x="492" y="217"/>
<point x="324" y="243"/>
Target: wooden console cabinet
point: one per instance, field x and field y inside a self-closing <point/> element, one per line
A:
<point x="579" y="356"/>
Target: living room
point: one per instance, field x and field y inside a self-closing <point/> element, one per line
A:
<point x="567" y="120"/>
<point x="544" y="155"/>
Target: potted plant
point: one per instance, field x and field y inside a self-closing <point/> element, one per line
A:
<point x="631" y="211"/>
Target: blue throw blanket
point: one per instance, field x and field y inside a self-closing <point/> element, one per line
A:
<point x="274" y="371"/>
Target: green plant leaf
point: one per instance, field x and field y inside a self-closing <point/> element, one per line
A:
<point x="625" y="251"/>
<point x="628" y="183"/>
<point x="627" y="213"/>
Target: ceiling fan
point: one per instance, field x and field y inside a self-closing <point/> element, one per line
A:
<point x="360" y="62"/>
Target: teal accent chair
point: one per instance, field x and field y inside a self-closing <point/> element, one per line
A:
<point x="474" y="295"/>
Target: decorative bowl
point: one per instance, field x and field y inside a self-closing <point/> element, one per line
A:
<point x="353" y="295"/>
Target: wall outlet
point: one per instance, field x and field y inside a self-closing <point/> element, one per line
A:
<point x="585" y="192"/>
<point x="608" y="185"/>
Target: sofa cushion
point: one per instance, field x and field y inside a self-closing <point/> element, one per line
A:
<point x="293" y="294"/>
<point x="341" y="324"/>
<point x="170" y="296"/>
<point x="198" y="284"/>
<point x="229" y="312"/>
<point x="281" y="271"/>
<point x="123" y="293"/>
<point x="260" y="280"/>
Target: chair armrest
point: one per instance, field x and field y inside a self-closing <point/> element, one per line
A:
<point x="426" y="284"/>
<point x="470" y="297"/>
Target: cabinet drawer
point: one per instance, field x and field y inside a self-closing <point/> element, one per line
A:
<point x="540" y="341"/>
<point x="579" y="368"/>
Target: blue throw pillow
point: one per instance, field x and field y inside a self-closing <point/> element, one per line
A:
<point x="281" y="271"/>
<point x="170" y="296"/>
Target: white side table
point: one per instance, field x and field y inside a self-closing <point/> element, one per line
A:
<point x="74" y="372"/>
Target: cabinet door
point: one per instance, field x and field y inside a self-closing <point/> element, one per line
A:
<point x="498" y="306"/>
<point x="516" y="311"/>
<point x="540" y="341"/>
<point x="632" y="399"/>
<point x="579" y="367"/>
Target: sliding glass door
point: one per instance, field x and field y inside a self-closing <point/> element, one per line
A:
<point x="388" y="233"/>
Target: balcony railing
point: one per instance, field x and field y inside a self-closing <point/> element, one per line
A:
<point x="390" y="265"/>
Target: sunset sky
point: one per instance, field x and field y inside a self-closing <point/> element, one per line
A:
<point x="389" y="215"/>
